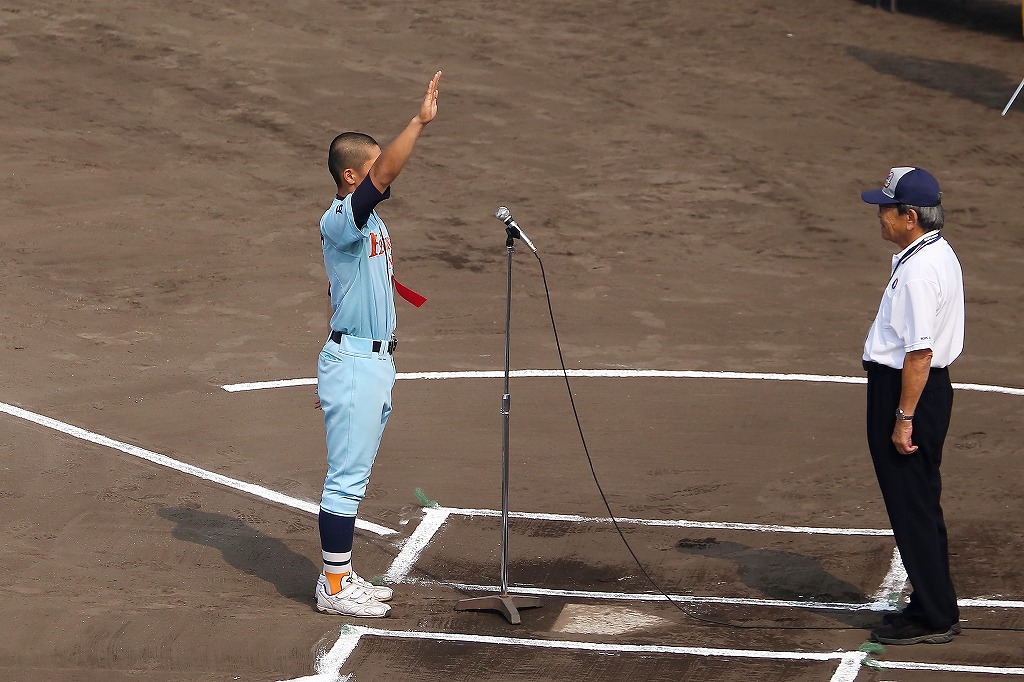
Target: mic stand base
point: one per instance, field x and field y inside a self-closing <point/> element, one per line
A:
<point x="505" y="604"/>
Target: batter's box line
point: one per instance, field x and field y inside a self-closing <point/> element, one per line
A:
<point x="329" y="664"/>
<point x="655" y="597"/>
<point x="434" y="519"/>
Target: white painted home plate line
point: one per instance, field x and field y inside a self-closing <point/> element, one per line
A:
<point x="984" y="603"/>
<point x="876" y="605"/>
<point x="947" y="668"/>
<point x="681" y="598"/>
<point x="163" y="460"/>
<point x="617" y="373"/>
<point x="719" y="525"/>
<point x="849" y="668"/>
<point x="603" y="647"/>
<point x="281" y="383"/>
<point x="895" y="580"/>
<point x="432" y="521"/>
<point x="329" y="663"/>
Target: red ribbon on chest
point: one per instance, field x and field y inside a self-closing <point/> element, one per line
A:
<point x="408" y="294"/>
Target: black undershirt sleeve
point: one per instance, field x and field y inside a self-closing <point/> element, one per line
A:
<point x="365" y="199"/>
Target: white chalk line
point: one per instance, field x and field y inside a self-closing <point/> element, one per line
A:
<point x="681" y="598"/>
<point x="328" y="667"/>
<point x="191" y="470"/>
<point x="849" y="668"/>
<point x="329" y="663"/>
<point x="417" y="542"/>
<point x="877" y="605"/>
<point x="716" y="525"/>
<point x="946" y="668"/>
<point x="602" y="647"/>
<point x="984" y="603"/>
<point x="617" y="373"/>
<point x="895" y="580"/>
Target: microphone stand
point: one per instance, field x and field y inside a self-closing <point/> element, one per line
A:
<point x="503" y="602"/>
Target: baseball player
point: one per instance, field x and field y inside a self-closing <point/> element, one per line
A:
<point x="356" y="371"/>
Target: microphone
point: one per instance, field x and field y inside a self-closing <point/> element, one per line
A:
<point x="505" y="216"/>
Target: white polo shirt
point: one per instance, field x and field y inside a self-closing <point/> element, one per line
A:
<point x="922" y="307"/>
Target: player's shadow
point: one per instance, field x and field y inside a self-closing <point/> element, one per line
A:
<point x="785" y="576"/>
<point x="982" y="85"/>
<point x="247" y="549"/>
<point x="997" y="17"/>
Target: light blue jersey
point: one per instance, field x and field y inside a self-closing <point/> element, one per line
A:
<point x="354" y="378"/>
<point x="360" y="271"/>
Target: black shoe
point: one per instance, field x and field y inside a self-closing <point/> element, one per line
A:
<point x="886" y="619"/>
<point x="905" y="631"/>
<point x="890" y="618"/>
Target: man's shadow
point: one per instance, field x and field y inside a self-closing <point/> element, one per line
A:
<point x="982" y="85"/>
<point x="786" y="576"/>
<point x="247" y="549"/>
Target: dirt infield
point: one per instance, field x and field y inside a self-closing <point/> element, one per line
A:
<point x="690" y="172"/>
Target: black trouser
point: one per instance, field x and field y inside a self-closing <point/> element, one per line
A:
<point x="911" y="487"/>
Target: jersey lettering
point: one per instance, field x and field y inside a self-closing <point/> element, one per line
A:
<point x="378" y="245"/>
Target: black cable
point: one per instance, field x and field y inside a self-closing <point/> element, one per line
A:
<point x="615" y="522"/>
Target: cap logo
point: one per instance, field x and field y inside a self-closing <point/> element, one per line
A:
<point x="886" y="189"/>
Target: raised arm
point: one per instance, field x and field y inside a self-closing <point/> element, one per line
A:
<point x="391" y="161"/>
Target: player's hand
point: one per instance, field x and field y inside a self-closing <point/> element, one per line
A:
<point x="901" y="437"/>
<point x="316" y="405"/>
<point x="428" y="110"/>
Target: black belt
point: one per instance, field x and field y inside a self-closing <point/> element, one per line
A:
<point x="877" y="368"/>
<point x="377" y="345"/>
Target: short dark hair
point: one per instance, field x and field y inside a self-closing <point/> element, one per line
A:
<point x="928" y="217"/>
<point x="348" y="150"/>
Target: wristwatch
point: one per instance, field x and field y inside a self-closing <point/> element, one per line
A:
<point x="902" y="416"/>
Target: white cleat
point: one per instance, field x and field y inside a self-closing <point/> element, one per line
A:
<point x="378" y="592"/>
<point x="353" y="600"/>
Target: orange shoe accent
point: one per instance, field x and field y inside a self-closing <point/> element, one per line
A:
<point x="334" y="580"/>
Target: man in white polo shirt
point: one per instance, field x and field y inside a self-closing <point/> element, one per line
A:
<point x="917" y="333"/>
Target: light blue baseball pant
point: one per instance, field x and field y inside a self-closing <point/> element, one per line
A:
<point x="354" y="386"/>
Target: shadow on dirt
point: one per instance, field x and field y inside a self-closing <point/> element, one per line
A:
<point x="988" y="87"/>
<point x="998" y="17"/>
<point x="786" y="576"/>
<point x="247" y="549"/>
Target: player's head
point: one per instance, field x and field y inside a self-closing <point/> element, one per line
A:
<point x="351" y="152"/>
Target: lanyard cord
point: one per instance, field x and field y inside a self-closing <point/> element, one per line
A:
<point x="905" y="257"/>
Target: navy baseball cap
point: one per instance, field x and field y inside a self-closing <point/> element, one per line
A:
<point x="906" y="185"/>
